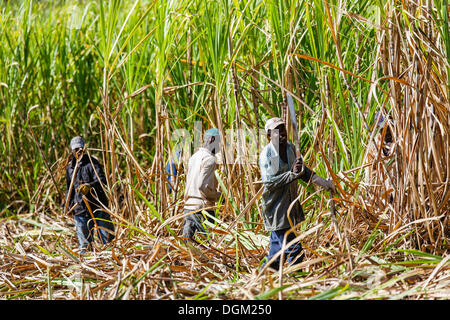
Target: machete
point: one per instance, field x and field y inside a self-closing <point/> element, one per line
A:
<point x="293" y="118"/>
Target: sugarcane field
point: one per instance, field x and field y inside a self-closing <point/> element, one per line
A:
<point x="224" y="150"/>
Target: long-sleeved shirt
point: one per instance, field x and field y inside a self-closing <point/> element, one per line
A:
<point x="201" y="183"/>
<point x="280" y="188"/>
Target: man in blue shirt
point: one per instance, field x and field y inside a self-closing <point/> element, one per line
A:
<point x="279" y="172"/>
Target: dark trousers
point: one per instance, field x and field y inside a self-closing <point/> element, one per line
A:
<point x="85" y="227"/>
<point x="276" y="244"/>
<point x="194" y="222"/>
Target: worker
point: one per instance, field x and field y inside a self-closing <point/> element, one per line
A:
<point x="379" y="173"/>
<point x="201" y="185"/>
<point x="280" y="170"/>
<point x="86" y="197"/>
<point x="171" y="169"/>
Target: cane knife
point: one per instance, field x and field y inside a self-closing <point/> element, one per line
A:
<point x="293" y="119"/>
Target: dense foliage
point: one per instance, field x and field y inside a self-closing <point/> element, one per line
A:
<point x="129" y="75"/>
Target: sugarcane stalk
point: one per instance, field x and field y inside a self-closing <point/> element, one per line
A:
<point x="66" y="203"/>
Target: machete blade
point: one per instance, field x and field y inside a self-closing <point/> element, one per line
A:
<point x="293" y="119"/>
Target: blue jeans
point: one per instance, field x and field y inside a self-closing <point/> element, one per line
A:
<point x="276" y="244"/>
<point x="85" y="227"/>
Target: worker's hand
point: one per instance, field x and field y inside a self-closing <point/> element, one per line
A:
<point x="84" y="189"/>
<point x="330" y="186"/>
<point x="298" y="166"/>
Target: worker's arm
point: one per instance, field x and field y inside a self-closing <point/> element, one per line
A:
<point x="97" y="179"/>
<point x="269" y="176"/>
<point x="324" y="183"/>
<point x="97" y="175"/>
<point x="303" y="171"/>
<point x="272" y="181"/>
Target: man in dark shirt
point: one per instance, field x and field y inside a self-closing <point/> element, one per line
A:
<point x="85" y="197"/>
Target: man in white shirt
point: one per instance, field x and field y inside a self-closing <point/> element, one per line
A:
<point x="201" y="184"/>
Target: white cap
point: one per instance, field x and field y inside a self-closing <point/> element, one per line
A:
<point x="273" y="123"/>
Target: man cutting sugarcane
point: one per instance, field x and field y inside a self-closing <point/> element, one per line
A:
<point x="201" y="185"/>
<point x="85" y="197"/>
<point x="280" y="169"/>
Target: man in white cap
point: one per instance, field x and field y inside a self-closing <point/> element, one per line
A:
<point x="201" y="184"/>
<point x="85" y="196"/>
<point x="280" y="171"/>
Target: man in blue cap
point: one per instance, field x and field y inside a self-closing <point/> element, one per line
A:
<point x="280" y="171"/>
<point x="85" y="196"/>
<point x="201" y="184"/>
